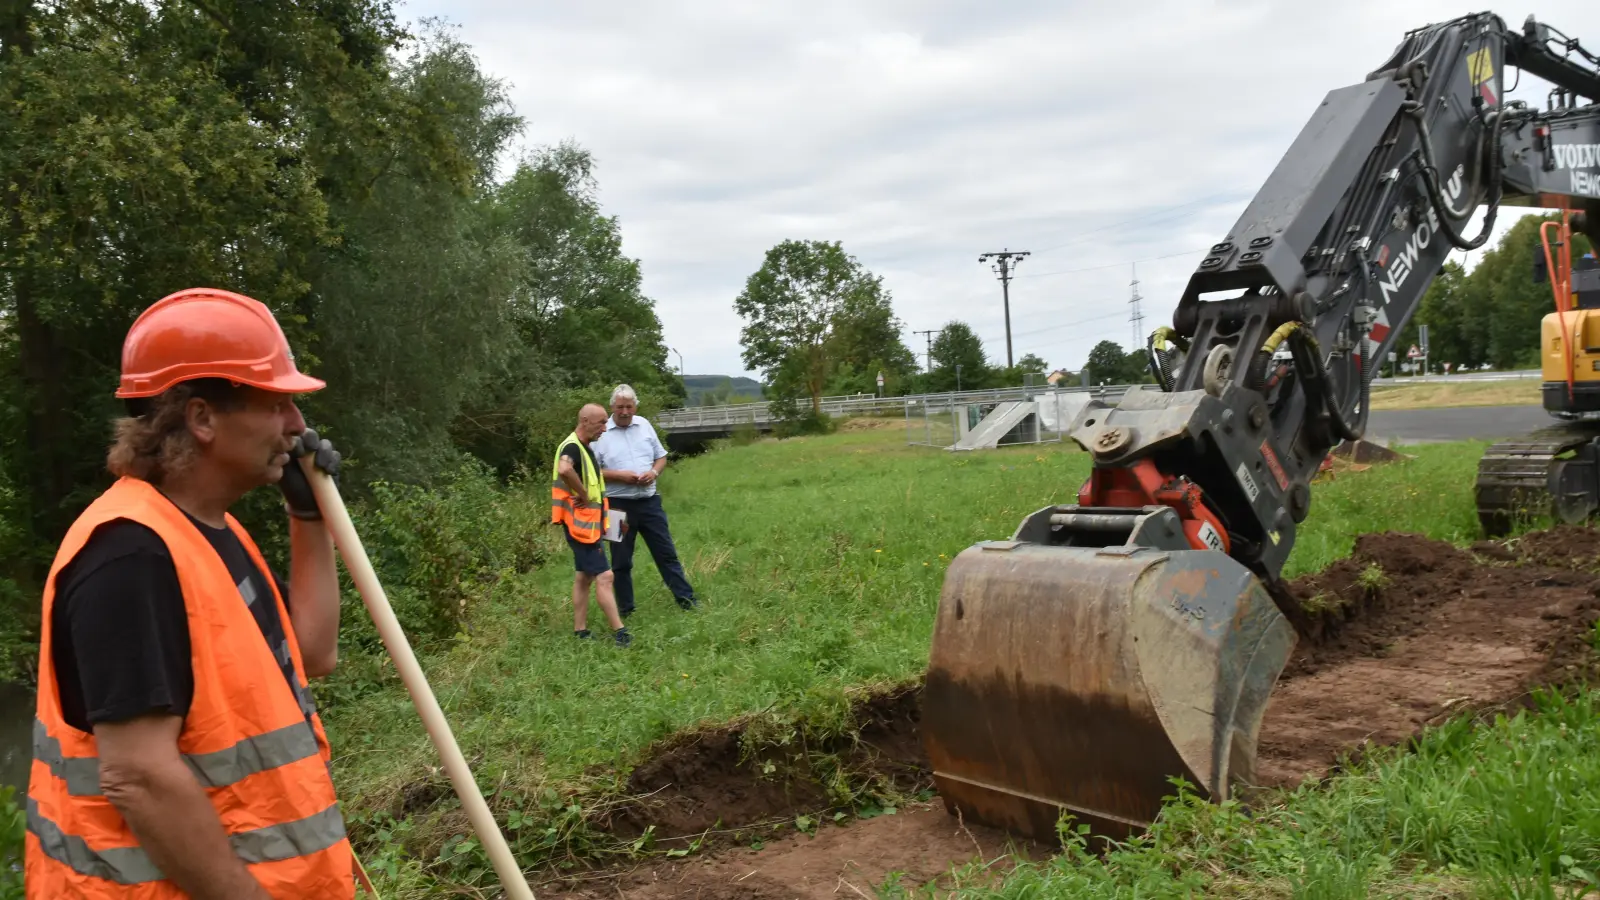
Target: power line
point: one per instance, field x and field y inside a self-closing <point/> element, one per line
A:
<point x="1152" y="218"/>
<point x="1114" y="265"/>
<point x="1004" y="263"/>
<point x="1099" y="318"/>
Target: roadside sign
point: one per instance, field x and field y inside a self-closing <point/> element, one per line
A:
<point x="1413" y="353"/>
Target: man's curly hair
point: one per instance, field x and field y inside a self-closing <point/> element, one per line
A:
<point x="153" y="443"/>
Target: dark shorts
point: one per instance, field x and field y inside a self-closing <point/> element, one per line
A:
<point x="589" y="559"/>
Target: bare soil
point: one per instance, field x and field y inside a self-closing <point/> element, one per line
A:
<point x="1404" y="633"/>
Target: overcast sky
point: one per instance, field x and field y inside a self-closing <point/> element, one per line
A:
<point x="921" y="134"/>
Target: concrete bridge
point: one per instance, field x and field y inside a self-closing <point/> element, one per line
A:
<point x="683" y="429"/>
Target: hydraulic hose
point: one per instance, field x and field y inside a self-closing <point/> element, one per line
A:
<point x="1308" y="363"/>
<point x="1430" y="177"/>
<point x="1160" y="358"/>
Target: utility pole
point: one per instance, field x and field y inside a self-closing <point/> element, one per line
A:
<point x="929" y="333"/>
<point x="1005" y="261"/>
<point x="1134" y="315"/>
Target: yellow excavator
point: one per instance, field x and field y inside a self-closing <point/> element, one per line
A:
<point x="1554" y="471"/>
<point x="1134" y="636"/>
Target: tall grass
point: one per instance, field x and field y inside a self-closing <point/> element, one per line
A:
<point x="818" y="562"/>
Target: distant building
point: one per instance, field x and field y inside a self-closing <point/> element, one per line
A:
<point x="1056" y="377"/>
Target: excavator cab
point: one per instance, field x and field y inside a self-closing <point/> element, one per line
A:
<point x="1570" y="336"/>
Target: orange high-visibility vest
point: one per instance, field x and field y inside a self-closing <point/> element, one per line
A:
<point x="256" y="746"/>
<point x="586" y="522"/>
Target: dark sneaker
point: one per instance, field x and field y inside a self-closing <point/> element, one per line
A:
<point x="623" y="637"/>
<point x="690" y="603"/>
<point x="582" y="635"/>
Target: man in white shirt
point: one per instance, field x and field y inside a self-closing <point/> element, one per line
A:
<point x="631" y="459"/>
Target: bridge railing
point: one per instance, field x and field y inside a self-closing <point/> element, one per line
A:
<point x="715" y="417"/>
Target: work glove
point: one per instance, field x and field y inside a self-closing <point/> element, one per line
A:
<point x="297" y="495"/>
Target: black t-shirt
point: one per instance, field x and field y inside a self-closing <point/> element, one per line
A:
<point x="572" y="451"/>
<point x="121" y="632"/>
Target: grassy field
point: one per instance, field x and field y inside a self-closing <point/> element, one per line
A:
<point x="1424" y="395"/>
<point x="818" y="562"/>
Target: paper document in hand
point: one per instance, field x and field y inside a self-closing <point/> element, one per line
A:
<point x="614" y="525"/>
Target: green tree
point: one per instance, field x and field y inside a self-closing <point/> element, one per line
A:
<point x="958" y="345"/>
<point x="1493" y="313"/>
<point x="1033" y="363"/>
<point x="1110" y="364"/>
<point x="1107" y="363"/>
<point x="866" y="341"/>
<point x="576" y="308"/>
<point x="810" y="305"/>
<point x="150" y="147"/>
<point x="419" y="240"/>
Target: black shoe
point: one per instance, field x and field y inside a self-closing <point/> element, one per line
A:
<point x="688" y="604"/>
<point x="624" y="613"/>
<point x="583" y="635"/>
<point x="623" y="637"/>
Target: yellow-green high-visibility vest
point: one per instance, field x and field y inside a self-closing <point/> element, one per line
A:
<point x="584" y="521"/>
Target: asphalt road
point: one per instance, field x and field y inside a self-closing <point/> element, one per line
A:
<point x="1457" y="423"/>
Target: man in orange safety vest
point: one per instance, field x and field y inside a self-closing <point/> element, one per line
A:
<point x="176" y="751"/>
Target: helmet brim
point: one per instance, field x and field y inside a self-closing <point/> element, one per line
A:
<point x="292" y="383"/>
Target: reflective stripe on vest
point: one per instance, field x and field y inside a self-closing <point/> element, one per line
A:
<point x="584" y="521"/>
<point x="131" y="865"/>
<point x="219" y="768"/>
<point x="251" y="738"/>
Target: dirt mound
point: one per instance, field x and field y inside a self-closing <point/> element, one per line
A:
<point x="1405" y="632"/>
<point x="714" y="778"/>
<point x="920" y="843"/>
<point x="871" y="423"/>
<point x="1565" y="546"/>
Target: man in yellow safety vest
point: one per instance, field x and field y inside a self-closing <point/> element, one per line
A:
<point x="578" y="502"/>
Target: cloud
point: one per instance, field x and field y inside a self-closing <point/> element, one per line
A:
<point x="922" y="134"/>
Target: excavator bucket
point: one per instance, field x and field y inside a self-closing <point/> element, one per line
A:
<point x="1081" y="679"/>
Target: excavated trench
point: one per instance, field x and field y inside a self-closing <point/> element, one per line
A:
<point x="1403" y="633"/>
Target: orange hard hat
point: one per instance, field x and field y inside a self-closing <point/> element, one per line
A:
<point x="208" y="333"/>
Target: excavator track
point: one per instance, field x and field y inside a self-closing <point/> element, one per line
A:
<point x="1551" y="471"/>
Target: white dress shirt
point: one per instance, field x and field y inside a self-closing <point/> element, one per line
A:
<point x="632" y="449"/>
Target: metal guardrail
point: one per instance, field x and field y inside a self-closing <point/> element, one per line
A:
<point x="717" y="417"/>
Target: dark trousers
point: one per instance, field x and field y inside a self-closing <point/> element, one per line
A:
<point x="646" y="517"/>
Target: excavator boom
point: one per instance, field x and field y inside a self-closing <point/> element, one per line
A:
<point x="1134" y="636"/>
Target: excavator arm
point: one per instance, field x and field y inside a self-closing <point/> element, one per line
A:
<point x="1135" y="635"/>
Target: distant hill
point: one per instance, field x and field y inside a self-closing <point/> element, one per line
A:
<point x="714" y="390"/>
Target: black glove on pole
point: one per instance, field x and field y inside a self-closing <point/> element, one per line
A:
<point x="297" y="494"/>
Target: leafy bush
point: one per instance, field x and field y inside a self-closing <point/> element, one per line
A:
<point x="12" y="826"/>
<point x="436" y="549"/>
<point x="793" y="417"/>
<point x="744" y="434"/>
